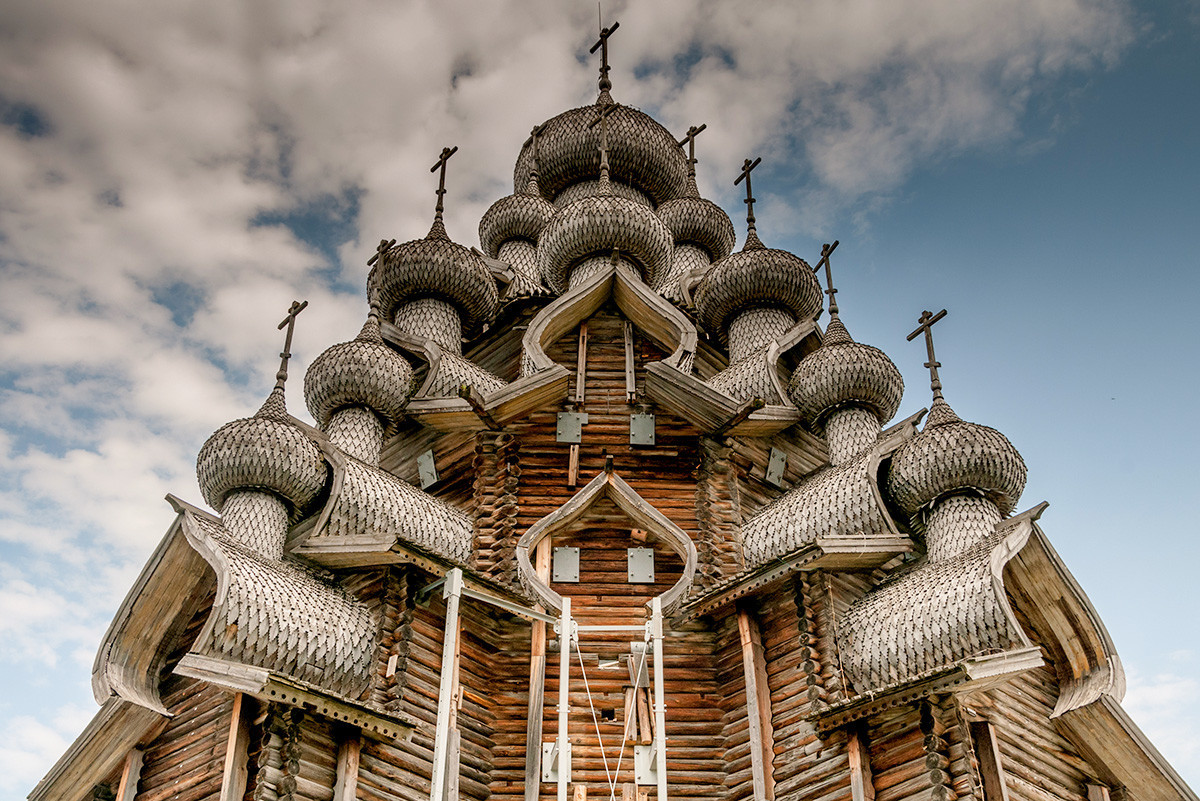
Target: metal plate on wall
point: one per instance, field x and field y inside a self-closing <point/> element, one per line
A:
<point x="645" y="767"/>
<point x="641" y="565"/>
<point x="641" y="429"/>
<point x="775" y="467"/>
<point x="427" y="469"/>
<point x="566" y="565"/>
<point x="570" y="427"/>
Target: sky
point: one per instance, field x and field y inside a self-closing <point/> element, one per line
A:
<point x="173" y="175"/>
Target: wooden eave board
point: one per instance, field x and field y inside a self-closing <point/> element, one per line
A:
<point x="707" y="408"/>
<point x="97" y="751"/>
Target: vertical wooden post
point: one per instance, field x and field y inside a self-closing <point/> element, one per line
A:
<point x="346" y="786"/>
<point x="566" y="625"/>
<point x="130" y="773"/>
<point x="237" y="750"/>
<point x="991" y="769"/>
<point x="630" y="372"/>
<point x="758" y="706"/>
<point x="580" y="383"/>
<point x="660" y="710"/>
<point x="447" y="691"/>
<point x="862" y="784"/>
<point x="537" y="683"/>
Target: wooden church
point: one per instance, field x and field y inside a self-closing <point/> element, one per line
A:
<point x="600" y="510"/>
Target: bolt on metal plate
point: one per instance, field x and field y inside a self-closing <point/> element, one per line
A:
<point x="775" y="467"/>
<point x="641" y="565"/>
<point x="427" y="469"/>
<point x="565" y="565"/>
<point x="570" y="427"/>
<point x="641" y="429"/>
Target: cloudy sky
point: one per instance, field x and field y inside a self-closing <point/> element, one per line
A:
<point x="172" y="175"/>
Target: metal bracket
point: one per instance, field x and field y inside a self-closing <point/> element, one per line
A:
<point x="638" y="657"/>
<point x="427" y="469"/>
<point x="641" y="565"/>
<point x="570" y="427"/>
<point x="645" y="767"/>
<point x="566" y="564"/>
<point x="641" y="429"/>
<point x="552" y="764"/>
<point x="775" y="467"/>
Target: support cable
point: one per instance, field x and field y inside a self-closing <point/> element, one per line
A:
<point x="612" y="785"/>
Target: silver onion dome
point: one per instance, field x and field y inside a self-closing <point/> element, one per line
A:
<point x="641" y="153"/>
<point x="756" y="276"/>
<point x="596" y="225"/>
<point x="361" y="372"/>
<point x="841" y="372"/>
<point x="695" y="221"/>
<point x="264" y="452"/>
<point x="522" y="215"/>
<point x="951" y="455"/>
<point x="439" y="268"/>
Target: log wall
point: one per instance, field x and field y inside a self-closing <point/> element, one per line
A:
<point x="185" y="761"/>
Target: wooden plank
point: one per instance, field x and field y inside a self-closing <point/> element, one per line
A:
<point x="580" y="793"/>
<point x="537" y="683"/>
<point x="581" y="362"/>
<point x="132" y="771"/>
<point x="991" y="769"/>
<point x="349" y="756"/>
<point x="1097" y="792"/>
<point x="862" y="784"/>
<point x="237" y="759"/>
<point x="573" y="466"/>
<point x="630" y="375"/>
<point x="758" y="706"/>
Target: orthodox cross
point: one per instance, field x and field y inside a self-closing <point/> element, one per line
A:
<point x="533" y="140"/>
<point x="927" y="321"/>
<point x="826" y="252"/>
<point x="747" y="166"/>
<point x="447" y="152"/>
<point x="690" y="139"/>
<point x="602" y="121"/>
<point x="290" y="323"/>
<point x="384" y="246"/>
<point x="602" y="46"/>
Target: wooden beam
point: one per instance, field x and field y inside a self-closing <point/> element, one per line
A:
<point x="537" y="683"/>
<point x="475" y="400"/>
<point x="237" y="756"/>
<point x="991" y="768"/>
<point x="581" y="363"/>
<point x="743" y="412"/>
<point x="1097" y="792"/>
<point x="862" y="784"/>
<point x="131" y="772"/>
<point x="630" y="373"/>
<point x="758" y="706"/>
<point x="349" y="753"/>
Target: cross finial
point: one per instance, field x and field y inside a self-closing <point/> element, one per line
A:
<point x="447" y="152"/>
<point x="602" y="121"/>
<point x="747" y="166"/>
<point x="690" y="139"/>
<point x="826" y="252"/>
<point x="290" y="323"/>
<point x="602" y="46"/>
<point x="927" y="321"/>
<point x="534" y="135"/>
<point x="380" y="250"/>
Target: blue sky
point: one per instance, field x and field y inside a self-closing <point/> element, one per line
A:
<point x="167" y="187"/>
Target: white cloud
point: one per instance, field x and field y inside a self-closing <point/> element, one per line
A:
<point x="1165" y="704"/>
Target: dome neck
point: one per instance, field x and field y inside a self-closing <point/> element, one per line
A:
<point x="956" y="523"/>
<point x="849" y="431"/>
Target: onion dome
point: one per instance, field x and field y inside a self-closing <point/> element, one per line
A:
<point x="696" y="221"/>
<point x="436" y="267"/>
<point x="264" y="452"/>
<point x="842" y="372"/>
<point x="951" y="455"/>
<point x="641" y="153"/>
<point x="522" y="215"/>
<point x="756" y="276"/>
<point x="362" y="372"/>
<point x="597" y="225"/>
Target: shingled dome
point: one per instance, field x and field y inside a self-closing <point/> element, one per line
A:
<point x="518" y="216"/>
<point x="843" y="371"/>
<point x="641" y="153"/>
<point x="696" y="221"/>
<point x="757" y="276"/>
<point x="263" y="452"/>
<point x="951" y="455"/>
<point x="362" y="372"/>
<point x="436" y="267"/>
<point x="596" y="225"/>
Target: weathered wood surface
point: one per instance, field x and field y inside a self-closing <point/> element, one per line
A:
<point x="186" y="761"/>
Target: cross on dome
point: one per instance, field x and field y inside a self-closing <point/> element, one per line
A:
<point x="690" y="139"/>
<point x="534" y="135"/>
<point x="747" y="166"/>
<point x="602" y="45"/>
<point x="290" y="323"/>
<point x="381" y="249"/>
<point x="927" y="320"/>
<point x="447" y="152"/>
<point x="826" y="252"/>
<point x="602" y="121"/>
